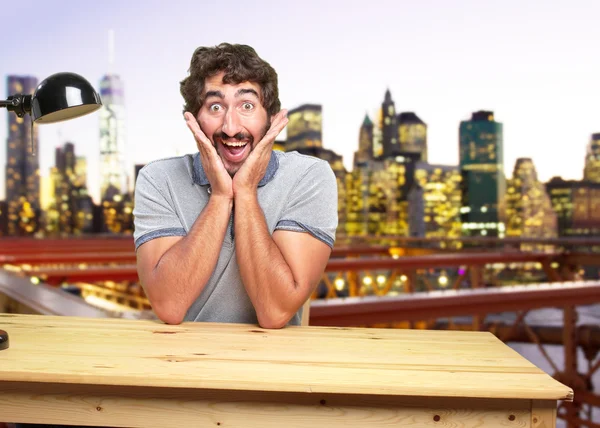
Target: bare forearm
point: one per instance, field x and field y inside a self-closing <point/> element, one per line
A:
<point x="184" y="270"/>
<point x="266" y="276"/>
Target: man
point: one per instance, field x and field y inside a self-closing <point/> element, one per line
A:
<point x="236" y="232"/>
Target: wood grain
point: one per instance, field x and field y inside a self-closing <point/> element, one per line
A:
<point x="160" y="407"/>
<point x="244" y="357"/>
<point x="543" y="414"/>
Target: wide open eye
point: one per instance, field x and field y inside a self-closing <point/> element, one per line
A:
<point x="247" y="106"/>
<point x="215" y="108"/>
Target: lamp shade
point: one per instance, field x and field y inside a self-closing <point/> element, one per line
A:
<point x="63" y="96"/>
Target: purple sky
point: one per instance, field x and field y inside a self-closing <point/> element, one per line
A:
<point x="534" y="63"/>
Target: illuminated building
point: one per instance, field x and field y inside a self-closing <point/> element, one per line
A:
<point x="357" y="181"/>
<point x="51" y="215"/>
<point x="390" y="182"/>
<point x="529" y="212"/>
<point x="376" y="198"/>
<point x="357" y="186"/>
<point x="84" y="219"/>
<point x="61" y="215"/>
<point x="435" y="201"/>
<point x="412" y="133"/>
<point x="80" y="179"/>
<point x="112" y="137"/>
<point x="69" y="208"/>
<point x="577" y="206"/>
<point x="64" y="188"/>
<point x="3" y="218"/>
<point x="591" y="171"/>
<point x="378" y="138"/>
<point x="117" y="214"/>
<point x="22" y="167"/>
<point x="389" y="127"/>
<point x="365" y="143"/>
<point x="46" y="192"/>
<point x="304" y="127"/>
<point x="483" y="182"/>
<point x="377" y="189"/>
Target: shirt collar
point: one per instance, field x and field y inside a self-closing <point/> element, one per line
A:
<point x="199" y="176"/>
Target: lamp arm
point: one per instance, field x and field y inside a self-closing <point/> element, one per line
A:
<point x="20" y="104"/>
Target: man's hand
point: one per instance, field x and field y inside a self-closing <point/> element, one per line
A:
<point x="253" y="170"/>
<point x="218" y="177"/>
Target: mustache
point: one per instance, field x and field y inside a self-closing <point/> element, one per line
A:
<point x="240" y="136"/>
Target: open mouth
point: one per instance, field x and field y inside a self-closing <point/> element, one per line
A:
<point x="234" y="151"/>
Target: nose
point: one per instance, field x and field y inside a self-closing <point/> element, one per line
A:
<point x="231" y="123"/>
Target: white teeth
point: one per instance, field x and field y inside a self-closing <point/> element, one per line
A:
<point x="235" y="143"/>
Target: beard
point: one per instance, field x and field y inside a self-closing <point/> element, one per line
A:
<point x="218" y="138"/>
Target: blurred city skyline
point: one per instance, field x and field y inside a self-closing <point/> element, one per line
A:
<point x="532" y="63"/>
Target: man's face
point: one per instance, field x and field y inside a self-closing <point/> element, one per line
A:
<point x="233" y="118"/>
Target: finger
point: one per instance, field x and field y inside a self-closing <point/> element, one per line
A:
<point x="193" y="126"/>
<point x="278" y="118"/>
<point x="267" y="142"/>
<point x="205" y="146"/>
<point x="276" y="128"/>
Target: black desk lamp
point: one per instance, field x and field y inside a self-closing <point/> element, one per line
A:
<point x="62" y="96"/>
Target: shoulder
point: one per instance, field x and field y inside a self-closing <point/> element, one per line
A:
<point x="296" y="165"/>
<point x="168" y="165"/>
<point x="168" y="169"/>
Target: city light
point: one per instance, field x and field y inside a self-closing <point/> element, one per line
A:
<point x="443" y="280"/>
<point x="392" y="189"/>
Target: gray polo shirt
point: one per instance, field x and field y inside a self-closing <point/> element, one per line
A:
<point x="297" y="193"/>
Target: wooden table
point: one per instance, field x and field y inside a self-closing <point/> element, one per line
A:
<point x="112" y="372"/>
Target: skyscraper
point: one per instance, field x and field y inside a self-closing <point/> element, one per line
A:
<point x="390" y="181"/>
<point x="529" y="212"/>
<point x="80" y="172"/>
<point x="3" y="218"/>
<point x="357" y="193"/>
<point x="591" y="171"/>
<point x="483" y="182"/>
<point x="365" y="143"/>
<point x="304" y="128"/>
<point x="389" y="127"/>
<point x="412" y="132"/>
<point x="22" y="167"/>
<point x="112" y="138"/>
<point x="64" y="187"/>
<point x="435" y="201"/>
<point x="577" y="206"/>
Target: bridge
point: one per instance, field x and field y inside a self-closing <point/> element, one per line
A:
<point x="369" y="281"/>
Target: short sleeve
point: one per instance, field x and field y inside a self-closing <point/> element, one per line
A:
<point x="154" y="216"/>
<point x="313" y="204"/>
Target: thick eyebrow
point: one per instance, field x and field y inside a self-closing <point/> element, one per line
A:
<point x="217" y="94"/>
<point x="244" y="91"/>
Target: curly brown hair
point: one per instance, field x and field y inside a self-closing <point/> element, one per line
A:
<point x="240" y="63"/>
